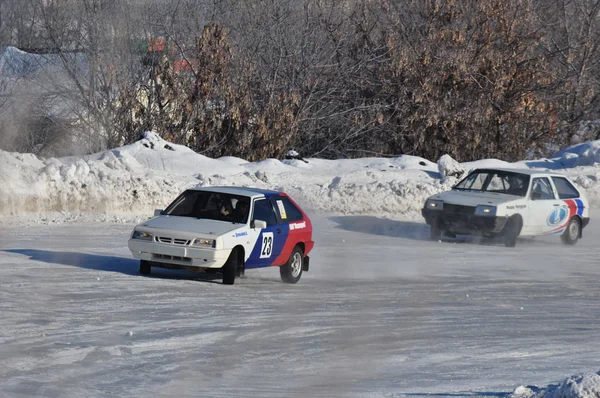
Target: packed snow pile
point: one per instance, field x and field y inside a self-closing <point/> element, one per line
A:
<point x="112" y="181"/>
<point x="449" y="167"/>
<point x="16" y="64"/>
<point x="577" y="386"/>
<point x="585" y="154"/>
<point x="150" y="173"/>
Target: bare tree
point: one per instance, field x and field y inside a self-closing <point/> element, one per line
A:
<point x="571" y="39"/>
<point x="473" y="78"/>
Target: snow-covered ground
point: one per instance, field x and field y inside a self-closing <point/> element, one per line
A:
<point x="383" y="312"/>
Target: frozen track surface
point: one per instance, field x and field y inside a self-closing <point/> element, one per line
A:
<point x="383" y="312"/>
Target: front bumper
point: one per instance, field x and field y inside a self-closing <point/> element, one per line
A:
<point x="462" y="220"/>
<point x="178" y="255"/>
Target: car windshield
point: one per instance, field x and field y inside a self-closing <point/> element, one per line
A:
<point x="210" y="205"/>
<point x="496" y="181"/>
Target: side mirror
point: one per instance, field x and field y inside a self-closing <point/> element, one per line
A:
<point x="536" y="195"/>
<point x="158" y="212"/>
<point x="259" y="224"/>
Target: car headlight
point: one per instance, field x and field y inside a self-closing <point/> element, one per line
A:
<point x="141" y="235"/>
<point x="435" y="204"/>
<point x="204" y="242"/>
<point x="483" y="210"/>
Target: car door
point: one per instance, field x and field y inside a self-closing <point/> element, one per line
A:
<point x="270" y="239"/>
<point x="569" y="196"/>
<point x="547" y="213"/>
<point x="292" y="220"/>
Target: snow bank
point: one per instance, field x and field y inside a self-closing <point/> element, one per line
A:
<point x="577" y="386"/>
<point x="149" y="173"/>
<point x="16" y="63"/>
<point x="135" y="179"/>
<point x="585" y="154"/>
<point x="109" y="182"/>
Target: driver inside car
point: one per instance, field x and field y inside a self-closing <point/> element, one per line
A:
<point x="241" y="211"/>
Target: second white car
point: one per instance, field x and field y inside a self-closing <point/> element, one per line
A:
<point x="509" y="203"/>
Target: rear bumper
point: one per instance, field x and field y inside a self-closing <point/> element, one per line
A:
<point x="184" y="256"/>
<point x="464" y="223"/>
<point x="308" y="246"/>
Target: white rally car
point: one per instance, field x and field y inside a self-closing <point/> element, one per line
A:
<point x="230" y="229"/>
<point x="508" y="203"/>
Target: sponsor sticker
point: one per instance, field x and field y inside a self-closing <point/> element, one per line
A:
<point x="557" y="216"/>
<point x="298" y="225"/>
<point x="282" y="212"/>
<point x="238" y="234"/>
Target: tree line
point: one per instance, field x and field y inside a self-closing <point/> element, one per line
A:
<point x="509" y="79"/>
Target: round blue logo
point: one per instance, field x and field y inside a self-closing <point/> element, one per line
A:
<point x="557" y="216"/>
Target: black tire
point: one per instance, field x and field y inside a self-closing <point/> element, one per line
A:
<point x="572" y="232"/>
<point x="292" y="270"/>
<point x="230" y="268"/>
<point x="145" y="267"/>
<point x="436" y="232"/>
<point x="511" y="231"/>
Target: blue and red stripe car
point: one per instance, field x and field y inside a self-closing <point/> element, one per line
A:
<point x="230" y="229"/>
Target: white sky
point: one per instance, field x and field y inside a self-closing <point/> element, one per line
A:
<point x="372" y="202"/>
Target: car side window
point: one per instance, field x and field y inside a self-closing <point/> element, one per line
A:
<point x="565" y="189"/>
<point x="263" y="210"/>
<point x="286" y="210"/>
<point x="541" y="189"/>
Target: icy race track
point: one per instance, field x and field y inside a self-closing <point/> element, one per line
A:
<point x="383" y="313"/>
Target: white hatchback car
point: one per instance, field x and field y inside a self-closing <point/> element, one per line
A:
<point x="508" y="203"/>
<point x="230" y="229"/>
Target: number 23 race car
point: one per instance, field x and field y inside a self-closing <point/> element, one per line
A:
<point x="230" y="229"/>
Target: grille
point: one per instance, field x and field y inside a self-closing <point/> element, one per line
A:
<point x="172" y="241"/>
<point x="172" y="258"/>
<point x="458" y="209"/>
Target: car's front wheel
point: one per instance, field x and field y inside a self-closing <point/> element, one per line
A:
<point x="292" y="270"/>
<point x="511" y="231"/>
<point x="436" y="231"/>
<point x="230" y="268"/>
<point x="145" y="267"/>
<point x="571" y="234"/>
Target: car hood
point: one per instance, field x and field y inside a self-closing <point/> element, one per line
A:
<point x="190" y="224"/>
<point x="472" y="198"/>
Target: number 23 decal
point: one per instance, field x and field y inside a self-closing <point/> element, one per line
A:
<point x="267" y="245"/>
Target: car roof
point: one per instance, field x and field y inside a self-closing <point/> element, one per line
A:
<point x="529" y="172"/>
<point x="242" y="191"/>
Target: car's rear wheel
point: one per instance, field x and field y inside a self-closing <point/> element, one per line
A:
<point x="511" y="231"/>
<point x="292" y="270"/>
<point x="571" y="234"/>
<point x="145" y="267"/>
<point x="230" y="268"/>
